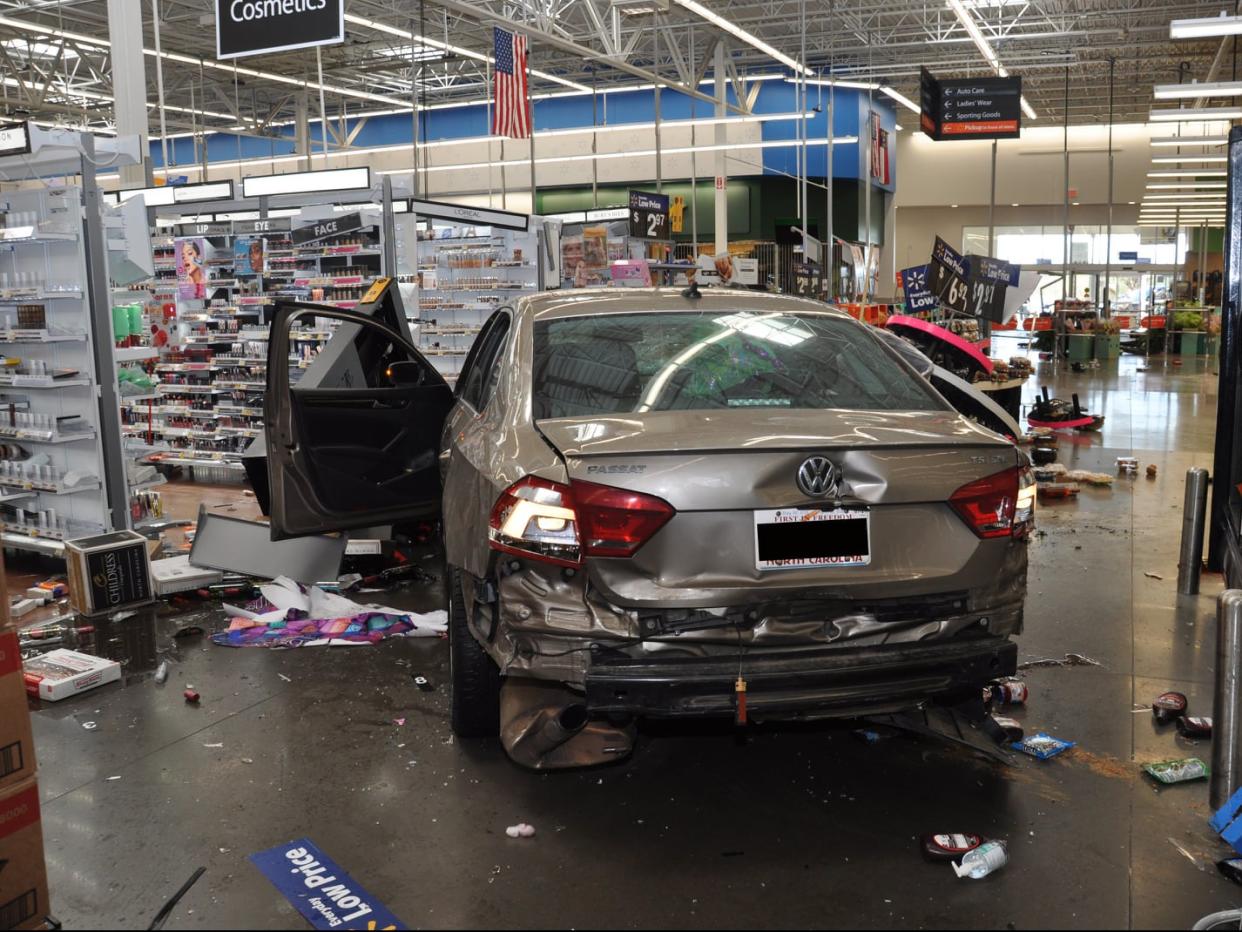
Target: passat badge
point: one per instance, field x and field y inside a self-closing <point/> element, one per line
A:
<point x="818" y="477"/>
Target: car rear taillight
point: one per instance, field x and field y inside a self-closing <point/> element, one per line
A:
<point x="561" y="523"/>
<point x="616" y="522"/>
<point x="535" y="517"/>
<point x="990" y="506"/>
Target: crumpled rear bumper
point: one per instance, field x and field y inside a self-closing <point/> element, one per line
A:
<point x="816" y="682"/>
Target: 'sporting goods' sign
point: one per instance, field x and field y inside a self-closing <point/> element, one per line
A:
<point x="317" y="887"/>
<point x="253" y="27"/>
<point x="970" y="108"/>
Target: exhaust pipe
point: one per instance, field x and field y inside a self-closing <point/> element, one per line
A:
<point x="545" y="726"/>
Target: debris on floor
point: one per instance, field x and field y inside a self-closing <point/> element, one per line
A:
<point x="1043" y="746"/>
<point x="226" y="543"/>
<point x="192" y="696"/>
<point x="949" y="846"/>
<point x="1231" y="868"/>
<point x="61" y="673"/>
<point x="1151" y="575"/>
<point x="986" y="859"/>
<point x="1070" y="660"/>
<point x="521" y="830"/>
<point x="1178" y="771"/>
<point x="290" y="615"/>
<point x="1167" y="707"/>
<point x="1194" y="727"/>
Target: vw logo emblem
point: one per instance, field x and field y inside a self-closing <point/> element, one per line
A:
<point x="818" y="477"/>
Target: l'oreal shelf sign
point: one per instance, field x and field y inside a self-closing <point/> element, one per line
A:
<point x="464" y="213"/>
<point x="255" y="27"/>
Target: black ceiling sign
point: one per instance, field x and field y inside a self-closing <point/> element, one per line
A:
<point x="970" y="108"/>
<point x="270" y="225"/>
<point x="648" y="215"/>
<point x="253" y="27"/>
<point x="346" y="223"/>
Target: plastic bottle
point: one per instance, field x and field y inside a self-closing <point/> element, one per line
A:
<point x="988" y="858"/>
<point x="949" y="846"/>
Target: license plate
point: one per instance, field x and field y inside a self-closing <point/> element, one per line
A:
<point x="797" y="538"/>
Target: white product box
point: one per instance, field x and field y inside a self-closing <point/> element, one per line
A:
<point x="61" y="673"/>
<point x="177" y="574"/>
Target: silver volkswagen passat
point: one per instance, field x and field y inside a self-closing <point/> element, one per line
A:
<point x="657" y="503"/>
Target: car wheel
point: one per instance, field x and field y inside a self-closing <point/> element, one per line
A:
<point x="474" y="675"/>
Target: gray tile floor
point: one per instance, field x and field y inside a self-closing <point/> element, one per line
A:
<point x="794" y="826"/>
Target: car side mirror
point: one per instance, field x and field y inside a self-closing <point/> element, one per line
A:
<point x="405" y="373"/>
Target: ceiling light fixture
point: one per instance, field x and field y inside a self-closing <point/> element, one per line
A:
<point x="1190" y="141"/>
<point x="1190" y="173"/>
<point x="1174" y="159"/>
<point x="985" y="47"/>
<point x="900" y="98"/>
<point x="1189" y="186"/>
<point x="208" y="63"/>
<point x="1197" y="89"/>
<point x="1205" y="27"/>
<point x="455" y="49"/>
<point x="1203" y="114"/>
<point x="738" y="32"/>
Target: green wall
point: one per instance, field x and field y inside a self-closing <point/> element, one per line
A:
<point x="756" y="205"/>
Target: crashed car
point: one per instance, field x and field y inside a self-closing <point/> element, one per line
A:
<point x="666" y="504"/>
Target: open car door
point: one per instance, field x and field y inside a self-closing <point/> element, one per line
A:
<point x="355" y="441"/>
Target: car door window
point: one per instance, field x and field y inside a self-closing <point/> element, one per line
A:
<point x="493" y="363"/>
<point x="477" y="372"/>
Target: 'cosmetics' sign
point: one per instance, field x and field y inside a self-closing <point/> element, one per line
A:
<point x="253" y="27"/>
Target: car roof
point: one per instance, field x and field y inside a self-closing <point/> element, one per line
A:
<point x="579" y="302"/>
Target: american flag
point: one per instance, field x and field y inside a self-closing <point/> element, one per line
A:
<point x="511" y="113"/>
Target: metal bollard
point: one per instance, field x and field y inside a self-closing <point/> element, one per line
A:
<point x="1226" y="713"/>
<point x="1194" y="519"/>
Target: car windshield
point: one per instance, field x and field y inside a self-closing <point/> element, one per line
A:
<point x="677" y="361"/>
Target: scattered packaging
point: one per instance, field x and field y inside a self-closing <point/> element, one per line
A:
<point x="177" y="574"/>
<point x="1058" y="490"/>
<point x="949" y="847"/>
<point x="988" y="858"/>
<point x="1043" y="746"/>
<point x="108" y="572"/>
<point x="61" y="673"/>
<point x="1178" y="771"/>
<point x="1168" y="707"/>
<point x="1231" y="868"/>
<point x="192" y="696"/>
<point x="23" y="882"/>
<point x="161" y="672"/>
<point x="1091" y="478"/>
<point x="521" y="830"/>
<point x="17" y="760"/>
<point x="1151" y="471"/>
<point x="1127" y="464"/>
<point x="19" y="607"/>
<point x="1011" y="726"/>
<point x="1010" y="692"/>
<point x="1194" y="726"/>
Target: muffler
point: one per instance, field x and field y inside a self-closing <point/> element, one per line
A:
<point x="545" y="726"/>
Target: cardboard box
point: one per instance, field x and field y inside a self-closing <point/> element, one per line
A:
<point x="23" y="882"/>
<point x="59" y="674"/>
<point x="108" y="572"/>
<point x="17" y="759"/>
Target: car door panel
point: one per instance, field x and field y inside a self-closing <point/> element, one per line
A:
<point x="351" y="449"/>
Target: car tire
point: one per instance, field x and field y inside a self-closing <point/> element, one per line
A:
<point x="475" y="678"/>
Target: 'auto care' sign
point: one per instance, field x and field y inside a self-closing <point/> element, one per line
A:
<point x="253" y="27"/>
